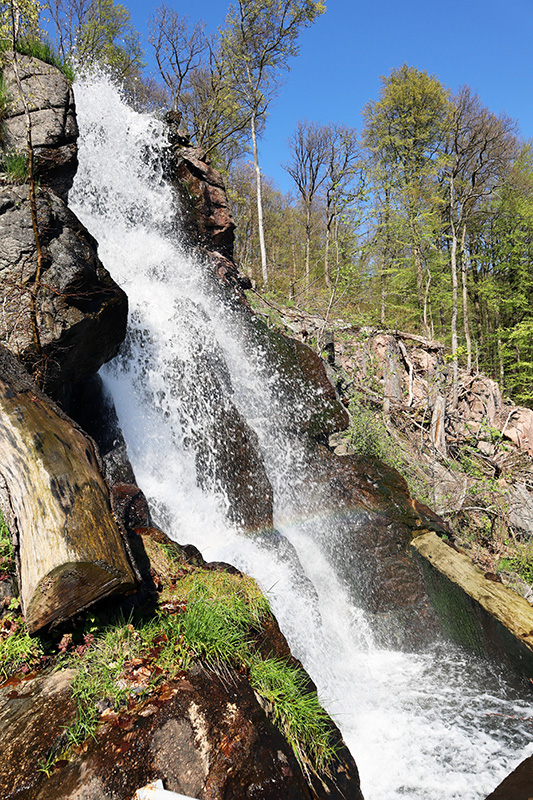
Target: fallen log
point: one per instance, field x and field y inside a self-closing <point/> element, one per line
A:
<point x="70" y="550"/>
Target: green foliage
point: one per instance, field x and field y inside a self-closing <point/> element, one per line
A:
<point x="98" y="34"/>
<point x="43" y="50"/>
<point x="209" y="615"/>
<point x="14" y="167"/>
<point x="18" y="650"/>
<point x="296" y="711"/>
<point x="368" y="435"/>
<point x="521" y="563"/>
<point x="27" y="19"/>
<point x="6" y="549"/>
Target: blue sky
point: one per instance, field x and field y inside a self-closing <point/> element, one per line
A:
<point x="487" y="44"/>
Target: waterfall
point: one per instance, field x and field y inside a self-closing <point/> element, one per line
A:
<point x="432" y="725"/>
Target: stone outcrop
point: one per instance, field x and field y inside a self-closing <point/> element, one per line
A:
<point x="205" y="216"/>
<point x="65" y="323"/>
<point x="203" y="732"/>
<point x="54" y="129"/>
<point x="372" y="522"/>
<point x="70" y="550"/>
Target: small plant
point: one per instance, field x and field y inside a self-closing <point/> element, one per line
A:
<point x="296" y="711"/>
<point x="18" y="650"/>
<point x="14" y="166"/>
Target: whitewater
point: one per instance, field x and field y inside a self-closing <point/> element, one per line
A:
<point x="432" y="726"/>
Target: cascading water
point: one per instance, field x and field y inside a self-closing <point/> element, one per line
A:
<point x="428" y="726"/>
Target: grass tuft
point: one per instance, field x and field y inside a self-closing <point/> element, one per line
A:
<point x="14" y="167"/>
<point x="207" y="615"/>
<point x="18" y="650"/>
<point x="296" y="711"/>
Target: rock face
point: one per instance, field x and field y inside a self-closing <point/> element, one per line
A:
<point x="70" y="550"/>
<point x="374" y="522"/>
<point x="205" y="215"/>
<point x="80" y="313"/>
<point x="516" y="786"/>
<point x="202" y="736"/>
<point x="53" y="120"/>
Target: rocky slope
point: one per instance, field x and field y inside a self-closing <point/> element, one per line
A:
<point x="161" y="696"/>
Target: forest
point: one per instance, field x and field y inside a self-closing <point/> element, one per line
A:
<point x="420" y="221"/>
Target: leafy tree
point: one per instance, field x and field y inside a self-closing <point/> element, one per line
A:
<point x="98" y="33"/>
<point x="480" y="147"/>
<point x="18" y="19"/>
<point x="258" y="41"/>
<point x="342" y="169"/>
<point x="405" y="132"/>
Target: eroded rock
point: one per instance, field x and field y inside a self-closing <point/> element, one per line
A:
<point x="54" y="129"/>
<point x="66" y="323"/>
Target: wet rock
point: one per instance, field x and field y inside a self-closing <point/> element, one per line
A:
<point x="516" y="786"/>
<point x="34" y="713"/>
<point x="205" y="214"/>
<point x="202" y="736"/>
<point x="311" y="400"/>
<point x="372" y="522"/>
<point x="130" y="505"/>
<point x="54" y="128"/>
<point x="80" y="313"/>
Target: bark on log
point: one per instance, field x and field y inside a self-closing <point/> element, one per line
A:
<point x="70" y="550"/>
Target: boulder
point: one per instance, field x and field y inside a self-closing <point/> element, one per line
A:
<point x="516" y="786"/>
<point x="75" y="309"/>
<point x="69" y="549"/>
<point x="54" y="129"/>
<point x="373" y="521"/>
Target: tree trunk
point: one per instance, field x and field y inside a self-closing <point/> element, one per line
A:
<point x="307" y="246"/>
<point x="69" y="548"/>
<point x="453" y="265"/>
<point x="330" y="214"/>
<point x="466" y="323"/>
<point x="264" y="268"/>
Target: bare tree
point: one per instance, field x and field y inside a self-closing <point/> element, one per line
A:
<point x="480" y="147"/>
<point x="178" y="49"/>
<point x="311" y="151"/>
<point x="343" y="158"/>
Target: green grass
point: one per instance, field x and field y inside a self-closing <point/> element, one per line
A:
<point x="43" y="50"/>
<point x="215" y="617"/>
<point x="14" y="167"/>
<point x="296" y="711"/>
<point x="18" y="650"/>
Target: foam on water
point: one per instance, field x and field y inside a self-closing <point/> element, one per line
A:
<point x="429" y="726"/>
